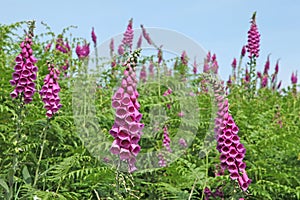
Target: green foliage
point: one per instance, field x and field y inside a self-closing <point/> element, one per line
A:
<point x="56" y="159"/>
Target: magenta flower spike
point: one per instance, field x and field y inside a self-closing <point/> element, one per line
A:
<point x="162" y="161"/>
<point x="206" y="67"/>
<point x="294" y="78"/>
<point x="277" y="67"/>
<point x="50" y="90"/>
<point x="208" y="57"/>
<point x="184" y="58"/>
<point x="259" y="75"/>
<point x="127" y="129"/>
<point x="146" y="35"/>
<point x="233" y="64"/>
<point x="159" y="56"/>
<point x="195" y="70"/>
<point x="243" y="51"/>
<point x="264" y="81"/>
<point x="166" y="140"/>
<point x="229" y="81"/>
<point x="151" y="69"/>
<point x="247" y="76"/>
<point x="83" y="51"/>
<point x="143" y="74"/>
<point x="111" y="47"/>
<point x="139" y="42"/>
<point x="267" y="66"/>
<point x="94" y="37"/>
<point x="215" y="66"/>
<point x="128" y="36"/>
<point x="228" y="142"/>
<point x="25" y="72"/>
<point x="214" y="57"/>
<point x="253" y="39"/>
<point x="121" y="49"/>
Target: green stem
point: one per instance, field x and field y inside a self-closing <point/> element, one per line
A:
<point x="96" y="59"/>
<point x="239" y="70"/>
<point x="117" y="177"/>
<point x="193" y="188"/>
<point x="206" y="174"/>
<point x="15" y="156"/>
<point x="252" y="85"/>
<point x="44" y="135"/>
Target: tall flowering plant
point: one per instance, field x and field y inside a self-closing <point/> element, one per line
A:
<point x="252" y="48"/>
<point x="228" y="142"/>
<point x="50" y="90"/>
<point x="127" y="128"/>
<point x="25" y="71"/>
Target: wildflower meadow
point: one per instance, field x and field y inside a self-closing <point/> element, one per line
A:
<point x="140" y="123"/>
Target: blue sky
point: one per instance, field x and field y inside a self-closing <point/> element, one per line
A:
<point x="218" y="25"/>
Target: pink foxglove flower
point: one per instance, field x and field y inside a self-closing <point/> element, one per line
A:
<point x="146" y="35"/>
<point x="229" y="81"/>
<point x="168" y="92"/>
<point x="264" y="81"/>
<point x="253" y="39"/>
<point x="294" y="78"/>
<point x="213" y="58"/>
<point x="128" y="36"/>
<point x="182" y="142"/>
<point x="83" y="51"/>
<point x="50" y="90"/>
<point x="66" y="66"/>
<point x="247" y="76"/>
<point x="159" y="56"/>
<point x="151" y="69"/>
<point x="48" y="47"/>
<point x="206" y="67"/>
<point x="259" y="75"/>
<point x="62" y="46"/>
<point x="24" y="72"/>
<point x="162" y="162"/>
<point x="243" y="51"/>
<point x="121" y="49"/>
<point x="215" y="66"/>
<point x="111" y="47"/>
<point x="166" y="140"/>
<point x="277" y="67"/>
<point x="233" y="64"/>
<point x="143" y="74"/>
<point x="180" y="114"/>
<point x="94" y="37"/>
<point x="267" y="66"/>
<point x="139" y="43"/>
<point x="127" y="128"/>
<point x="228" y="142"/>
<point x="195" y="70"/>
<point x="207" y="193"/>
<point x="208" y="57"/>
<point x="184" y="58"/>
